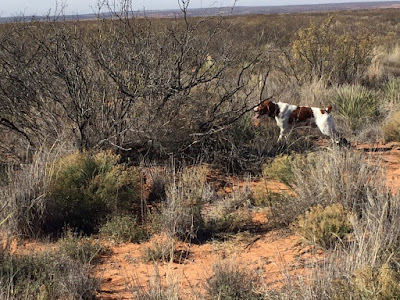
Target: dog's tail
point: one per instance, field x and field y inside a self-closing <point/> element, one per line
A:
<point x="329" y="109"/>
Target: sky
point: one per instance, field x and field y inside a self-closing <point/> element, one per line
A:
<point x="42" y="7"/>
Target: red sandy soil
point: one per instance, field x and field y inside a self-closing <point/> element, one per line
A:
<point x="275" y="256"/>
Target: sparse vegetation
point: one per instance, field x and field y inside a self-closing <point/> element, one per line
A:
<point x="79" y="248"/>
<point x="127" y="128"/>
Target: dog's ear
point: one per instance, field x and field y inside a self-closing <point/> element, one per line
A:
<point x="329" y="109"/>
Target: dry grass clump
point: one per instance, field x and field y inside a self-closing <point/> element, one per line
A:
<point x="367" y="267"/>
<point x="45" y="276"/>
<point x="82" y="249"/>
<point x="336" y="176"/>
<point x="22" y="198"/>
<point x="181" y="213"/>
<point x="231" y="281"/>
<point x="325" y="226"/>
<point x="230" y="214"/>
<point x="392" y="128"/>
<point x="159" y="288"/>
<point x="160" y="250"/>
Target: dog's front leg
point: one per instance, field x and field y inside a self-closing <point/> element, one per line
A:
<point x="282" y="133"/>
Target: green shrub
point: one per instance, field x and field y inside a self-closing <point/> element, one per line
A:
<point x="325" y="226"/>
<point x="392" y="128"/>
<point x="84" y="189"/>
<point x="123" y="229"/>
<point x="44" y="276"/>
<point x="232" y="282"/>
<point x="281" y="167"/>
<point x="356" y="105"/>
<point x="369" y="283"/>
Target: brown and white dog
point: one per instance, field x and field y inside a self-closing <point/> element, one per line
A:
<point x="288" y="115"/>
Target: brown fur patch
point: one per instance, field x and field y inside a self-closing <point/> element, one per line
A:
<point x="268" y="108"/>
<point x="301" y="114"/>
<point x="328" y="109"/>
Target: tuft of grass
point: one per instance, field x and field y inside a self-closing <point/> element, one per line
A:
<point x="79" y="248"/>
<point x="123" y="228"/>
<point x="230" y="281"/>
<point x="159" y="288"/>
<point x="325" y="226"/>
<point x="181" y="215"/>
<point x="159" y="250"/>
<point x="356" y="105"/>
<point x="230" y="214"/>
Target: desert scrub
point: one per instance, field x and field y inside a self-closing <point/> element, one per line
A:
<point x="230" y="281"/>
<point x="45" y="276"/>
<point x="84" y="189"/>
<point x="336" y="176"/>
<point x="325" y="226"/>
<point x="281" y="167"/>
<point x="356" y="106"/>
<point x="392" y="128"/>
<point x="123" y="228"/>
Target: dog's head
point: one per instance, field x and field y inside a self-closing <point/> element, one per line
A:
<point x="268" y="108"/>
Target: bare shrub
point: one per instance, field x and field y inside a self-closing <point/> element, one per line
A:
<point x="324" y="51"/>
